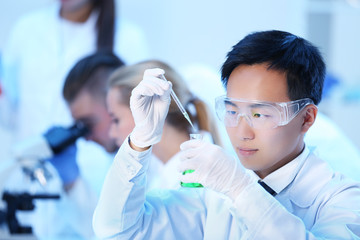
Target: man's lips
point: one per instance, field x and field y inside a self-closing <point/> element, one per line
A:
<point x="246" y="151"/>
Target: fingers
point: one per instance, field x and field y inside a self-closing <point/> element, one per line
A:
<point x="190" y="178"/>
<point x="192" y="144"/>
<point x="191" y="149"/>
<point x="190" y="155"/>
<point x="155" y="72"/>
<point x="152" y="85"/>
<point x="152" y="80"/>
<point x="149" y="104"/>
<point x="188" y="165"/>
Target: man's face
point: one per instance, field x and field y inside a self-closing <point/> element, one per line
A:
<point x="92" y="112"/>
<point x="122" y="120"/>
<point x="263" y="150"/>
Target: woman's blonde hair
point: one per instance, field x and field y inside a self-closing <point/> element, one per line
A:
<point x="126" y="78"/>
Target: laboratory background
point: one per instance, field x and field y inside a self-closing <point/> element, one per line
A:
<point x="195" y="36"/>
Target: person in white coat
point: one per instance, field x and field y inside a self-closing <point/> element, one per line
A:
<point x="273" y="83"/>
<point x="85" y="92"/>
<point x="330" y="140"/>
<point x="78" y="186"/>
<point x="46" y="43"/>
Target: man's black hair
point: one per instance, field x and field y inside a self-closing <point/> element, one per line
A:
<point x="282" y="51"/>
<point x="90" y="74"/>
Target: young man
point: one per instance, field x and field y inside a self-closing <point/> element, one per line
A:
<point x="274" y="82"/>
<point x="85" y="93"/>
<point x="85" y="90"/>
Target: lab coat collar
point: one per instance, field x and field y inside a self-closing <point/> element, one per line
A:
<point x="311" y="178"/>
<point x="301" y="174"/>
<point x="306" y="174"/>
<point x="281" y="178"/>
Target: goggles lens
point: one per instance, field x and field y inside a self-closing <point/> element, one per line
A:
<point x="260" y="115"/>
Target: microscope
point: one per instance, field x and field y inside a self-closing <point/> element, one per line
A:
<point x="33" y="152"/>
<point x="31" y="156"/>
<point x="23" y="202"/>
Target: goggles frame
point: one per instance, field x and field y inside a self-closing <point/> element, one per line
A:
<point x="286" y="111"/>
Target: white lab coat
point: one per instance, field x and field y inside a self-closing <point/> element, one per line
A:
<point x="332" y="144"/>
<point x="41" y="49"/>
<point x="312" y="202"/>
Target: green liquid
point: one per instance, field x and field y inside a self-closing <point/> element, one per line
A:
<point x="192" y="185"/>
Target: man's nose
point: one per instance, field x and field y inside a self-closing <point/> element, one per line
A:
<point x="244" y="128"/>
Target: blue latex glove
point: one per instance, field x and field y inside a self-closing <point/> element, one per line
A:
<point x="65" y="164"/>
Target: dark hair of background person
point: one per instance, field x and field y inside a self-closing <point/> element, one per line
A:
<point x="105" y="24"/>
<point x="296" y="57"/>
<point x="128" y="77"/>
<point x="91" y="74"/>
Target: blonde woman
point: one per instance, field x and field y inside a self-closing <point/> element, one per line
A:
<point x="162" y="170"/>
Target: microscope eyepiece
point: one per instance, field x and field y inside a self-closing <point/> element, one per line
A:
<point x="60" y="138"/>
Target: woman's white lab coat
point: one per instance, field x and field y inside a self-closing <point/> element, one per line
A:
<point x="312" y="203"/>
<point x="41" y="49"/>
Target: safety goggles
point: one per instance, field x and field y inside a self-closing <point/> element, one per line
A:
<point x="258" y="114"/>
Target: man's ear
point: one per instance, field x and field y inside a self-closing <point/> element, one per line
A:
<point x="309" y="117"/>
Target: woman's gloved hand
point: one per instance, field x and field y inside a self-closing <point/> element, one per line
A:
<point x="214" y="168"/>
<point x="149" y="104"/>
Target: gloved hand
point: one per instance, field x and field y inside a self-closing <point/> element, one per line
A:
<point x="149" y="104"/>
<point x="214" y="168"/>
<point x="65" y="164"/>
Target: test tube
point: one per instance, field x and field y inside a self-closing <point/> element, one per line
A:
<point x="192" y="185"/>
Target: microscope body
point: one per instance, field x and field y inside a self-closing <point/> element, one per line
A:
<point x="31" y="158"/>
<point x="23" y="202"/>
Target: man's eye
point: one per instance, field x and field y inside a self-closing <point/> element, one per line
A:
<point x="229" y="112"/>
<point x="257" y="115"/>
<point x="90" y="125"/>
<point x="261" y="115"/>
<point x="115" y="120"/>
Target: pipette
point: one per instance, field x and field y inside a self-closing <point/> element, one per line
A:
<point x="178" y="103"/>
